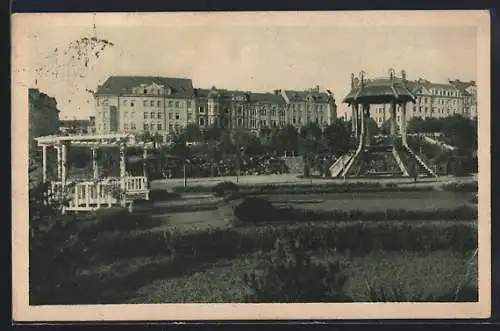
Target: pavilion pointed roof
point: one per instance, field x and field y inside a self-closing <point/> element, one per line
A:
<point x="381" y="90"/>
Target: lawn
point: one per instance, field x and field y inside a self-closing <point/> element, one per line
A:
<point x="415" y="274"/>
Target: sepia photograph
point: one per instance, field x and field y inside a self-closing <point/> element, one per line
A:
<point x="251" y="165"/>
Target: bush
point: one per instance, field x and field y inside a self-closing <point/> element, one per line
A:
<point x="253" y="210"/>
<point x="356" y="237"/>
<point x="459" y="213"/>
<point x="224" y="188"/>
<point x="290" y="275"/>
<point x="162" y="195"/>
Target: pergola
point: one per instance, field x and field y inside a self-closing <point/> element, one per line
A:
<point x="88" y="193"/>
<point x="392" y="90"/>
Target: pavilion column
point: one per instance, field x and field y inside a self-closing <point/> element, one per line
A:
<point x="64" y="163"/>
<point x="403" y="122"/>
<point x="95" y="166"/>
<point x="393" y="118"/>
<point x="366" y="117"/>
<point x="353" y="118"/>
<point x="362" y="123"/>
<point x="44" y="163"/>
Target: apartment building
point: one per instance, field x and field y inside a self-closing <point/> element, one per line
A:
<point x="158" y="105"/>
<point x="165" y="105"/>
<point x="43" y="115"/>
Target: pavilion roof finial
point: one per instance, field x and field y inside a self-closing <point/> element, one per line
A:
<point x="362" y="78"/>
<point x="391" y="74"/>
<point x="352" y="81"/>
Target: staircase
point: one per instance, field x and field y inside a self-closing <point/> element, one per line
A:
<point x="295" y="164"/>
<point x="409" y="159"/>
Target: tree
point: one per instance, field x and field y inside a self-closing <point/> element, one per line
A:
<point x="311" y="129"/>
<point x="336" y="136"/>
<point x="373" y="128"/>
<point x="287" y="140"/>
<point x="192" y="133"/>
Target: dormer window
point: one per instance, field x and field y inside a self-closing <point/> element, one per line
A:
<point x="145" y="91"/>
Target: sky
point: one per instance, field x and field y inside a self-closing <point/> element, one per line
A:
<point x="256" y="57"/>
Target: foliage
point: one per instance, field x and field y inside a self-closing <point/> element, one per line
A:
<point x="291" y="275"/>
<point x="461" y="187"/>
<point x="254" y="210"/>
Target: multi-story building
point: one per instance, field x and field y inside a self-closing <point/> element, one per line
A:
<point x="43" y="115"/>
<point x="166" y="105"/>
<point x="77" y="126"/>
<point x="434" y="100"/>
<point x="157" y="105"/>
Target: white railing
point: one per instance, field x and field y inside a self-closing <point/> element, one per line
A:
<point x="340" y="164"/>
<point x="136" y="184"/>
<point x="400" y="163"/>
<point x="91" y="195"/>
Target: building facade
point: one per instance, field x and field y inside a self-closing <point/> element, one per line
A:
<point x="164" y="106"/>
<point x="434" y="100"/>
<point x="77" y="126"/>
<point x="138" y="104"/>
<point x="43" y="115"/>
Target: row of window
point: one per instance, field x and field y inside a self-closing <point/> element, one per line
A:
<point x="147" y="103"/>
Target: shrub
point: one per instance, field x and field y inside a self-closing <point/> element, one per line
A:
<point x="162" y="195"/>
<point x="224" y="188"/>
<point x="395" y="294"/>
<point x="253" y="210"/>
<point x="357" y="237"/>
<point x="290" y="275"/>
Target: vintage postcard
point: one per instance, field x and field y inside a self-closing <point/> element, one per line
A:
<point x="251" y="165"/>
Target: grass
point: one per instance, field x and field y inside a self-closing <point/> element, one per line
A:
<point x="416" y="274"/>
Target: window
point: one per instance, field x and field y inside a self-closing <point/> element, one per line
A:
<point x="132" y="126"/>
<point x="145" y="103"/>
<point x="398" y="118"/>
<point x="145" y="115"/>
<point x="124" y="102"/>
<point x="176" y="116"/>
<point x="153" y="115"/>
<point x="158" y="103"/>
<point x="105" y="113"/>
<point x="169" y="116"/>
<point x="146" y="127"/>
<point x="177" y="104"/>
<point x="189" y="116"/>
<point x="170" y="104"/>
<point x="273" y="112"/>
<point x="188" y="104"/>
<point x="202" y="110"/>
<point x="125" y="114"/>
<point x="132" y="103"/>
<point x="152" y="103"/>
<point x="125" y="126"/>
<point x="132" y="114"/>
<point x="170" y="127"/>
<point x="202" y="121"/>
<point x="159" y="115"/>
<point x="145" y="91"/>
<point x="159" y="126"/>
<point x="105" y="102"/>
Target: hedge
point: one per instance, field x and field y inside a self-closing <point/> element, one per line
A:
<point x="356" y="237"/>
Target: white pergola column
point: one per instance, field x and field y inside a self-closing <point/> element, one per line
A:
<point x="64" y="163"/>
<point x="59" y="162"/>
<point x="44" y="163"/>
<point x="95" y="167"/>
<point x="144" y="162"/>
<point x="122" y="165"/>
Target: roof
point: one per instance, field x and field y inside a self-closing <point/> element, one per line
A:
<point x="463" y="86"/>
<point x="118" y="85"/>
<point x="427" y="84"/>
<point x="266" y="97"/>
<point x="301" y="96"/>
<point x="382" y="90"/>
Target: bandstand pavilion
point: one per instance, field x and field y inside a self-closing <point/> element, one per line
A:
<point x="385" y="156"/>
<point x="94" y="192"/>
